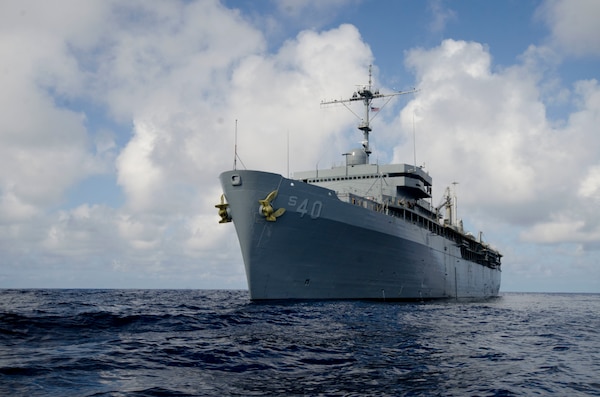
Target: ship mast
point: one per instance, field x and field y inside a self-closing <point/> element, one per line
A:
<point x="366" y="94"/>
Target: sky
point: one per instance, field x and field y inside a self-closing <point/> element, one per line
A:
<point x="118" y="117"/>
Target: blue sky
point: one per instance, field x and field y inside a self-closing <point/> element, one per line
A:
<point x="119" y="116"/>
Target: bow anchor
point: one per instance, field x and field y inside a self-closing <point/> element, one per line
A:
<point x="224" y="210"/>
<point x="267" y="210"/>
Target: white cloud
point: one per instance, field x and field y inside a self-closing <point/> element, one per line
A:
<point x="310" y="8"/>
<point x="43" y="148"/>
<point x="82" y="233"/>
<point x="440" y="15"/>
<point x="590" y="185"/>
<point x="44" y="145"/>
<point x="480" y="122"/>
<point x="488" y="130"/>
<point x="141" y="178"/>
<point x="181" y="73"/>
<point x="562" y="228"/>
<point x="275" y="95"/>
<point x="574" y="25"/>
<point x="159" y="53"/>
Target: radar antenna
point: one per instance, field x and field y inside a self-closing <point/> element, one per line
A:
<point x="367" y="94"/>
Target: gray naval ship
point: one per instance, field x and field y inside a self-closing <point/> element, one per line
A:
<point x="356" y="231"/>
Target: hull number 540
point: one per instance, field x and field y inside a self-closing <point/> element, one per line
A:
<point x="304" y="207"/>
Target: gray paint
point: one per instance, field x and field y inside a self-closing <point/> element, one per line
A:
<point x="332" y="249"/>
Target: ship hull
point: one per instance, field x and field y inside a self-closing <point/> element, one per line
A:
<point x="324" y="248"/>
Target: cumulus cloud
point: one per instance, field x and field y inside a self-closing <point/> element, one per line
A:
<point x="148" y="94"/>
<point x="574" y="25"/>
<point x="44" y="146"/>
<point x="480" y="121"/>
<point x="488" y="130"/>
<point x="280" y="94"/>
<point x="170" y="71"/>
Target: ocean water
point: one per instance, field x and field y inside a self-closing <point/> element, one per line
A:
<point x="218" y="343"/>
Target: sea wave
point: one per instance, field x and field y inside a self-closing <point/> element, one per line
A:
<point x="147" y="342"/>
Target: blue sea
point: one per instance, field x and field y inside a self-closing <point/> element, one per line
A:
<point x="219" y="343"/>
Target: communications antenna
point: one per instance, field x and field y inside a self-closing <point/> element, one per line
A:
<point x="235" y="148"/>
<point x="367" y="94"/>
<point x="454" y="203"/>
<point x="414" y="141"/>
<point x="235" y="154"/>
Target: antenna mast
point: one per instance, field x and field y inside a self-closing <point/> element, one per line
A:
<point x="366" y="94"/>
<point x="235" y="148"/>
<point x="235" y="155"/>
<point x="455" y="204"/>
<point x="414" y="141"/>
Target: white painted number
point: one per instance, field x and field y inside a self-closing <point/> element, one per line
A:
<point x="302" y="208"/>
<point x="315" y="211"/>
